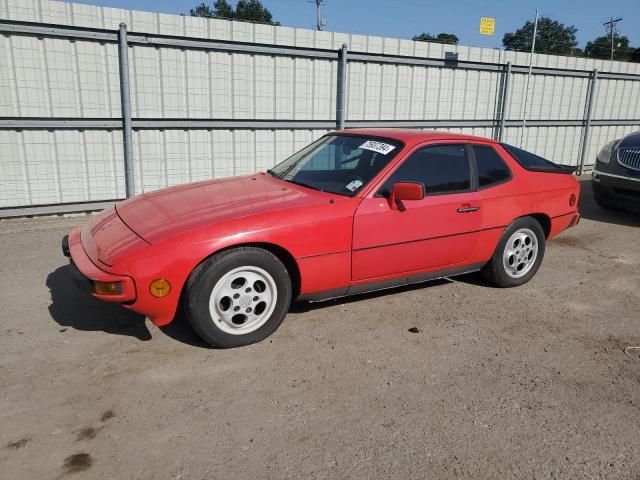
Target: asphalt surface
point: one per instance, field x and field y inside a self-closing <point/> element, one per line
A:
<point x="531" y="382"/>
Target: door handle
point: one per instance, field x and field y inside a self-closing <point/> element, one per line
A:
<point x="468" y="209"/>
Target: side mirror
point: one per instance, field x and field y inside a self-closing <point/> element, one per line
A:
<point x="402" y="191"/>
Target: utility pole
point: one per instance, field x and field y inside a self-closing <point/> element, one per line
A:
<point x="320" y="22"/>
<point x="526" y="92"/>
<point x="611" y="25"/>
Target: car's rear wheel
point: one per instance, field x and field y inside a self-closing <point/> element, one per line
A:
<point x="518" y="255"/>
<point x="238" y="297"/>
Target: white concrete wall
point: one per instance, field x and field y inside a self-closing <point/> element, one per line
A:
<point x="58" y="78"/>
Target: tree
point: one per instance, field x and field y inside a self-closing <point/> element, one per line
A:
<point x="601" y="48"/>
<point x="221" y="9"/>
<point x="577" y="52"/>
<point x="440" y="38"/>
<point x="635" y="55"/>
<point x="253" y="11"/>
<point x="552" y="37"/>
<point x="247" y="10"/>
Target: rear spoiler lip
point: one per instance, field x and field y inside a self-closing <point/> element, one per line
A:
<point x="562" y="169"/>
<point x="568" y="168"/>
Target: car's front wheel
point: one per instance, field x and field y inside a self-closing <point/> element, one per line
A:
<point x="238" y="297"/>
<point x="518" y="255"/>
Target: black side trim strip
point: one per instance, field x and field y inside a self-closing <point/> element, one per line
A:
<point x="390" y="283"/>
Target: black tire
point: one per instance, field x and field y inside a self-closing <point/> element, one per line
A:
<point x="495" y="271"/>
<point x="603" y="203"/>
<point x="203" y="279"/>
<point x="599" y="196"/>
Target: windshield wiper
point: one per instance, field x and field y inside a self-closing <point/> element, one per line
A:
<point x="295" y="182"/>
<point x="272" y="173"/>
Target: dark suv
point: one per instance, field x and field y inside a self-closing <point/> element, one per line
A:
<point x="616" y="176"/>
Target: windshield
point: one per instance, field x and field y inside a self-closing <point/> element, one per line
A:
<point x="341" y="164"/>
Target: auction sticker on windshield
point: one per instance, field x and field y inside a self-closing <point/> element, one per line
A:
<point x="354" y="185"/>
<point x="379" y="147"/>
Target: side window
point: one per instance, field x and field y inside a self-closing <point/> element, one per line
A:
<point x="491" y="167"/>
<point x="441" y="169"/>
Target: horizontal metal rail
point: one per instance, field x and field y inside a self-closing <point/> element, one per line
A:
<point x="25" y="123"/>
<point x="11" y="27"/>
<point x="41" y="30"/>
<point x="152" y="40"/>
<point x="614" y="123"/>
<point x="55" y="209"/>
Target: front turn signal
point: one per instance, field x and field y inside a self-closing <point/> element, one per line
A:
<point x="107" y="288"/>
<point x="160" y="288"/>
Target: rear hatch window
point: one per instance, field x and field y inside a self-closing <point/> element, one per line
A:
<point x="536" y="163"/>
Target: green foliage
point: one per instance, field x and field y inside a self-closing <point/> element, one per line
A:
<point x="440" y="38"/>
<point x="247" y="10"/>
<point x="201" y="10"/>
<point x="253" y="11"/>
<point x="553" y="37"/>
<point x="221" y="9"/>
<point x="600" y="47"/>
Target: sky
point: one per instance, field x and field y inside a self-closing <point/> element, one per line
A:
<point x="405" y="18"/>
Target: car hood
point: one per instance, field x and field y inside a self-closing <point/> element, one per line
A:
<point x="171" y="211"/>
<point x="631" y="140"/>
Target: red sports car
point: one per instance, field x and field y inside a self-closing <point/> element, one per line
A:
<point x="355" y="211"/>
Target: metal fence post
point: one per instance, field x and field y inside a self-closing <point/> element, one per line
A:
<point x="587" y="122"/>
<point x="341" y="87"/>
<point x="504" y="101"/>
<point x="125" y="104"/>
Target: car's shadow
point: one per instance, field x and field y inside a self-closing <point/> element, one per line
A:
<point x="72" y="308"/>
<point x="590" y="210"/>
<point x="180" y="329"/>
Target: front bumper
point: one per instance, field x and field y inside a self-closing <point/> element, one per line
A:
<point x="616" y="190"/>
<point x="85" y="273"/>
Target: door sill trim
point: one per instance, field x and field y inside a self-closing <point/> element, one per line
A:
<point x="389" y="283"/>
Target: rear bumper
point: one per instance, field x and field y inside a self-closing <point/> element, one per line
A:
<point x="560" y="223"/>
<point x="616" y="190"/>
<point x="85" y="272"/>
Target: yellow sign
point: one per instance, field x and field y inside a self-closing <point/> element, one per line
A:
<point x="487" y="26"/>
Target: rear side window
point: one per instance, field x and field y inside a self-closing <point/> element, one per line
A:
<point x="441" y="169"/>
<point x="530" y="161"/>
<point x="491" y="167"/>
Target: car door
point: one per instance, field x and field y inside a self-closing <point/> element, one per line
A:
<point x="439" y="231"/>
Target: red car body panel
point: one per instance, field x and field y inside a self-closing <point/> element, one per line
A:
<point x="337" y="243"/>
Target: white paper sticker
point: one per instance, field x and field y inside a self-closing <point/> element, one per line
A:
<point x="379" y="147"/>
<point x="354" y="185"/>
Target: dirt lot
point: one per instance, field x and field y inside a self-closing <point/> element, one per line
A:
<point x="523" y="383"/>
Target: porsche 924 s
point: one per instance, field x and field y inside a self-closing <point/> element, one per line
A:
<point x="355" y="211"/>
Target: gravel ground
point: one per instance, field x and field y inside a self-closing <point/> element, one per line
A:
<point x="529" y="382"/>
